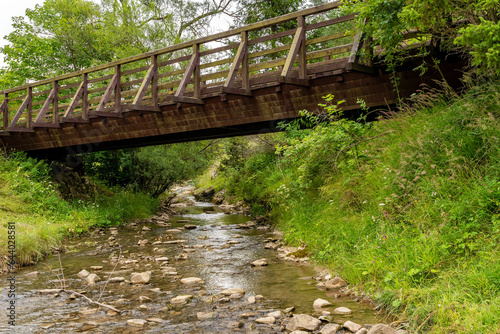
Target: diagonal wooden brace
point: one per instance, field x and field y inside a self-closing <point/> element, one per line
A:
<point x="45" y="107"/>
<point x="193" y="70"/>
<point x="25" y="105"/>
<point x="298" y="48"/>
<point x="114" y="85"/>
<point x="151" y="77"/>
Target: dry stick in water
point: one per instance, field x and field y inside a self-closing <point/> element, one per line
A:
<point x="112" y="271"/>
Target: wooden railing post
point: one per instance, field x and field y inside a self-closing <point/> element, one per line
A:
<point x="154" y="82"/>
<point x="30" y="108"/>
<point x="245" y="77"/>
<point x="301" y="24"/>
<point x="197" y="72"/>
<point x="85" y="96"/>
<point x="240" y="62"/>
<point x="118" y="89"/>
<point x="55" y="117"/>
<point x="298" y="48"/>
<point x="5" y="111"/>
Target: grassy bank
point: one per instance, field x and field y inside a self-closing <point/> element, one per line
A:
<point x="407" y="208"/>
<point x="43" y="219"/>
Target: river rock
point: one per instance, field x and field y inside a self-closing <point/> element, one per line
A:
<point x="143" y="307"/>
<point x="173" y="231"/>
<point x="205" y="315"/>
<point x="248" y="314"/>
<point x="259" y="263"/>
<point x="352" y="326"/>
<point x="191" y="280"/>
<point x="92" y="279"/>
<point x="275" y="314"/>
<point x="319" y="303"/>
<point x="382" y="329"/>
<point x="251" y="300"/>
<point x="157" y="320"/>
<point x="181" y="257"/>
<point x="140" y="278"/>
<point x="171" y="242"/>
<point x="303" y="322"/>
<point x="145" y="228"/>
<point x="143" y="242"/>
<point x="162" y="259"/>
<point x="335" y="283"/>
<point x="145" y="299"/>
<point x="320" y="286"/>
<point x="116" y="279"/>
<point x="181" y="299"/>
<point x="232" y="291"/>
<point x="83" y="274"/>
<point x="266" y="320"/>
<point x="96" y="267"/>
<point x="342" y="310"/>
<point x="362" y="331"/>
<point x="329" y="329"/>
<point x="189" y="227"/>
<point x="32" y="274"/>
<point x="137" y="322"/>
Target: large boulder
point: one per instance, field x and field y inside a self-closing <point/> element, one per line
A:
<point x="303" y="322"/>
<point x="382" y="329"/>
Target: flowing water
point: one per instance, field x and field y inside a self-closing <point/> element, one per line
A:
<point x="218" y="252"/>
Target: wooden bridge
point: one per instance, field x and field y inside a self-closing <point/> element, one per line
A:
<point x="236" y="82"/>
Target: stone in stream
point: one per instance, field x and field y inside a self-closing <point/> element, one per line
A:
<point x="234" y="324"/>
<point x="171" y="242"/>
<point x="299" y="332"/>
<point x="319" y="303"/>
<point x="96" y="267"/>
<point x="145" y="299"/>
<point x="140" y="278"/>
<point x="92" y="279"/>
<point x="259" y="263"/>
<point x="303" y="322"/>
<point x="342" y="310"/>
<point x="173" y="231"/>
<point x="162" y="259"/>
<point x="191" y="280"/>
<point x="329" y="329"/>
<point x="352" y="326"/>
<point x="233" y="291"/>
<point x="362" y="331"/>
<point x="137" y="322"/>
<point x="143" y="307"/>
<point x="190" y="227"/>
<point x="275" y="314"/>
<point x="266" y="320"/>
<point x="145" y="228"/>
<point x="181" y="257"/>
<point x="382" y="329"/>
<point x="251" y="300"/>
<point x="116" y="279"/>
<point x="248" y="315"/>
<point x="32" y="274"/>
<point x="84" y="273"/>
<point x="143" y="242"/>
<point x="335" y="283"/>
<point x="205" y="315"/>
<point x="320" y="286"/>
<point x="181" y="299"/>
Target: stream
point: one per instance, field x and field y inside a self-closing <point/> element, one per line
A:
<point x="202" y="242"/>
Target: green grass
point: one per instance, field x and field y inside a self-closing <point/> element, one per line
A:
<point x="406" y="209"/>
<point x="43" y="219"/>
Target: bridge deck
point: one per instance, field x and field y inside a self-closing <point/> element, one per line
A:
<point x="235" y="82"/>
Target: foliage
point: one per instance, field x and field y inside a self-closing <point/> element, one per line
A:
<point x="151" y="170"/>
<point x="30" y="199"/>
<point x="408" y="212"/>
<point x="470" y="27"/>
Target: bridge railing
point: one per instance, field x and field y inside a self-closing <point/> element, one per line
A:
<point x="232" y="62"/>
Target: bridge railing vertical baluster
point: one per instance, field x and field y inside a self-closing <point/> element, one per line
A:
<point x="154" y="82"/>
<point x="301" y="26"/>
<point x="85" y="96"/>
<point x="5" y="111"/>
<point x="118" y="90"/>
<point x="30" y="108"/>
<point x="55" y="87"/>
<point x="196" y="73"/>
<point x="245" y="76"/>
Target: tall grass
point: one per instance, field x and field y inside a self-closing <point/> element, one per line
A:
<point x="406" y="209"/>
<point x="43" y="219"/>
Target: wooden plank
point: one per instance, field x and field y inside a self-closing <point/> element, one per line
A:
<point x="154" y="82"/>
<point x="22" y="130"/>
<point x="46" y="125"/>
<point x="330" y="22"/>
<point x="145" y="83"/>
<point x="24" y="105"/>
<point x="5" y="111"/>
<point x="4" y="133"/>
<point x="294" y="81"/>
<point x="55" y="109"/>
<point x="329" y="52"/>
<point x="145" y="108"/>
<point x="45" y="107"/>
<point x="235" y="91"/>
<point x="188" y="100"/>
<point x="297" y="49"/>
<point x="74" y="120"/>
<point x="118" y="89"/>
<point x="108" y="114"/>
<point x="240" y="58"/>
<point x="109" y="90"/>
<point x="327" y="38"/>
<point x="194" y="64"/>
<point x="272" y="36"/>
<point x="74" y="101"/>
<point x="184" y="45"/>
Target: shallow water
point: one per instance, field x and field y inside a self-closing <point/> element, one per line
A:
<point x="282" y="284"/>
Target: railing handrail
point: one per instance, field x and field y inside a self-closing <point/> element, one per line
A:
<point x="183" y="45"/>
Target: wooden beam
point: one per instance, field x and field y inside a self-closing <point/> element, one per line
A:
<point x="294" y="81"/>
<point x="236" y="91"/>
<point x="74" y="120"/>
<point x="108" y="114"/>
<point x="5" y="111"/>
<point x="74" y="101"/>
<point x="55" y="109"/>
<point x="151" y="73"/>
<point x="193" y="69"/>
<point x="145" y="108"/>
<point x="107" y="95"/>
<point x="118" y="89"/>
<point x="85" y="96"/>
<point x="46" y="125"/>
<point x="240" y="58"/>
<point x="45" y="108"/>
<point x="188" y="100"/>
<point x="25" y="105"/>
<point x="298" y="48"/>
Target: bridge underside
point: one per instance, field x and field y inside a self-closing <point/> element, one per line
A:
<point x="224" y="115"/>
